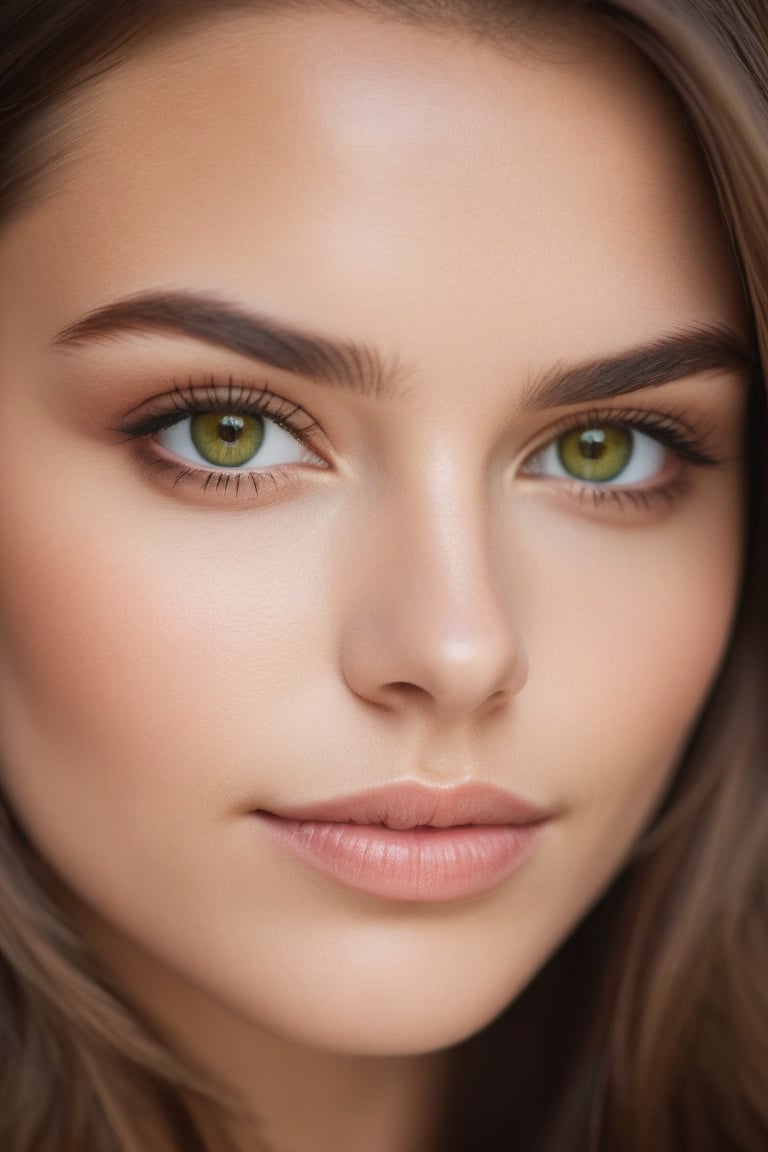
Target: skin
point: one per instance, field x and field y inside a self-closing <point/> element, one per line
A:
<point x="413" y="603"/>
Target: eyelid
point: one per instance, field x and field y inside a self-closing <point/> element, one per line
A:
<point x="690" y="444"/>
<point x="210" y="395"/>
<point x="691" y="441"/>
<point x="144" y="422"/>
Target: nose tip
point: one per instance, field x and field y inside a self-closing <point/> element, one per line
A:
<point x="474" y="673"/>
<point x="423" y="662"/>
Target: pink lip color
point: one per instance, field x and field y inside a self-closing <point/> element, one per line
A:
<point x="411" y="842"/>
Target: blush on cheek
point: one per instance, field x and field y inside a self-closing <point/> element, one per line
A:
<point x="140" y="654"/>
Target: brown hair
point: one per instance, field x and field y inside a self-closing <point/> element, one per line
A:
<point x="648" y="1030"/>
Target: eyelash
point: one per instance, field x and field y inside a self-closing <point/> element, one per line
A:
<point x="212" y="396"/>
<point x="685" y="439"/>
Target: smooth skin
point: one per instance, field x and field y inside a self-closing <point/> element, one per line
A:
<point x="412" y="595"/>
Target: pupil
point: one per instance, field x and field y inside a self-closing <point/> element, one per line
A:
<point x="592" y="444"/>
<point x="230" y="429"/>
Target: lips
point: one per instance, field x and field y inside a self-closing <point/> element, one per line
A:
<point x="412" y="842"/>
<point x="413" y="805"/>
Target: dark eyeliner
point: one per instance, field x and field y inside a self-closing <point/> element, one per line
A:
<point x="196" y="397"/>
<point x="193" y="399"/>
<point x="690" y="441"/>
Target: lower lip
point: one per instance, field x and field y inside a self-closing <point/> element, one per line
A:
<point x="424" y="864"/>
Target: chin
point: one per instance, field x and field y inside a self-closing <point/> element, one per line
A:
<point x="385" y="1025"/>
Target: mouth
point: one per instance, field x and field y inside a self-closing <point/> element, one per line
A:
<point x="410" y="842"/>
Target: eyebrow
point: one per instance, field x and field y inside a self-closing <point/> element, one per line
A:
<point x="362" y="369"/>
<point x="342" y="363"/>
<point x="671" y="357"/>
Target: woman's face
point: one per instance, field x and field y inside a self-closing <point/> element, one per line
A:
<point x="504" y="557"/>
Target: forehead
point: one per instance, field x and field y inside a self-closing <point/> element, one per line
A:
<point x="317" y="161"/>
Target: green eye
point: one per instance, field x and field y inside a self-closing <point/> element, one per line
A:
<point x="596" y="454"/>
<point x="227" y="439"/>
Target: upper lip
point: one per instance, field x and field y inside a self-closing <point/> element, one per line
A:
<point x="410" y="804"/>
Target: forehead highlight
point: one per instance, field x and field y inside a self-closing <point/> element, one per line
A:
<point x="42" y="151"/>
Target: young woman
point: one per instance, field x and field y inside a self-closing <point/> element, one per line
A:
<point x="382" y="603"/>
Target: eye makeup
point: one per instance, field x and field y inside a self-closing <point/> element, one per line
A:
<point x="160" y="428"/>
<point x="625" y="459"/>
<point x="166" y="433"/>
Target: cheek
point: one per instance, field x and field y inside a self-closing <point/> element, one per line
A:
<point x="141" y="653"/>
<point x="634" y="626"/>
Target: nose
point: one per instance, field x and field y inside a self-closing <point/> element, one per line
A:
<point x="430" y="625"/>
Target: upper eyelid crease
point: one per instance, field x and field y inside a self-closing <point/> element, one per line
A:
<point x="695" y="438"/>
<point x="363" y="370"/>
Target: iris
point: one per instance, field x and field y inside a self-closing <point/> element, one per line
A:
<point x="227" y="439"/>
<point x="595" y="454"/>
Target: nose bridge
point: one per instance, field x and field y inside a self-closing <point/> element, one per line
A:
<point x="434" y="617"/>
<point x="448" y="563"/>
